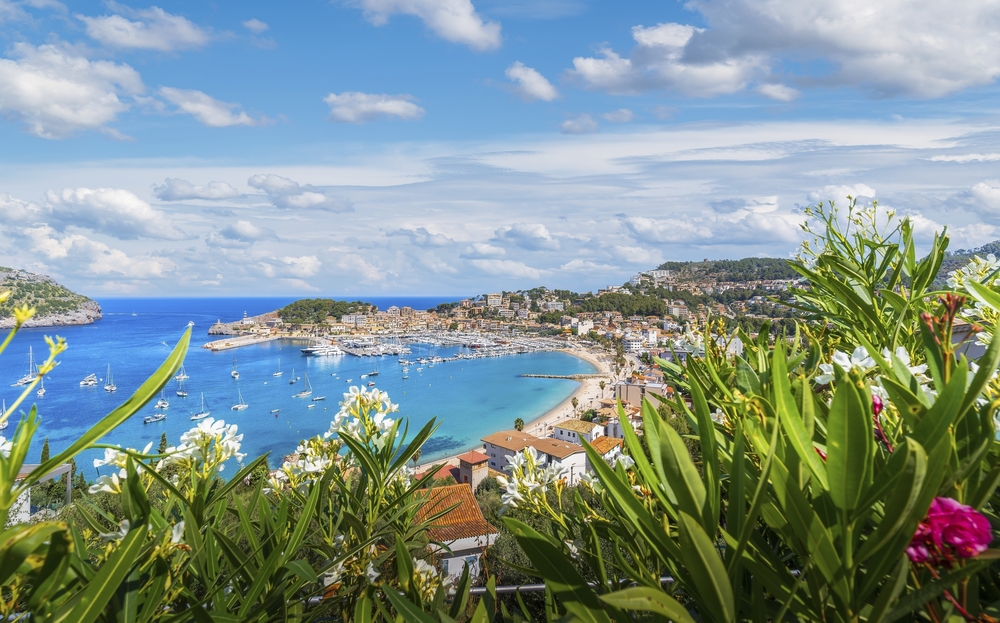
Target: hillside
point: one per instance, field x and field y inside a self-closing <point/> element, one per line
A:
<point x="315" y="311"/>
<point x="960" y="257"/>
<point x="747" y="269"/>
<point x="56" y="305"/>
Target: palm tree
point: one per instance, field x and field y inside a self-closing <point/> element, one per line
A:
<point x="602" y="384"/>
<point x="575" y="402"/>
<point x="519" y="424"/>
<point x="416" y="457"/>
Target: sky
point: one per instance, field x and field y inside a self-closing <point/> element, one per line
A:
<point x="463" y="146"/>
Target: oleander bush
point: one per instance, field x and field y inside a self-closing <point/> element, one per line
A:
<point x="845" y="472"/>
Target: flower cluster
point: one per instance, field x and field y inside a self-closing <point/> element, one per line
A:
<point x="529" y="479"/>
<point x="364" y="416"/>
<point x="114" y="458"/>
<point x="310" y="461"/>
<point x="426" y="580"/>
<point x="950" y="531"/>
<point x="858" y="359"/>
<point x="984" y="271"/>
<point x="205" y="448"/>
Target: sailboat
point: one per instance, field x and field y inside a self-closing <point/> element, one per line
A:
<point x="235" y="373"/>
<point x="307" y="390"/>
<point x="201" y="415"/>
<point x="41" y="390"/>
<point x="109" y="381"/>
<point x="3" y="412"/>
<point x="292" y="380"/>
<point x="241" y="404"/>
<point x="182" y="375"/>
<point x="279" y="372"/>
<point x="180" y="389"/>
<point x="32" y="371"/>
<point x="162" y="402"/>
<point x="375" y="371"/>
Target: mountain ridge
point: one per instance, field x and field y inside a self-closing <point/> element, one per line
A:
<point x="55" y="304"/>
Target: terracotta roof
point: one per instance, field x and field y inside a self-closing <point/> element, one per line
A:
<point x="473" y="457"/>
<point x="578" y="426"/>
<point x="515" y="441"/>
<point x="463" y="521"/>
<point x="443" y="472"/>
<point x="605" y="444"/>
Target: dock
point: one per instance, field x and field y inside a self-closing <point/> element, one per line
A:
<point x="572" y="377"/>
<point x="243" y="340"/>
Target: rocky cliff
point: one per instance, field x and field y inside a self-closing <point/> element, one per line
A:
<point x="56" y="305"/>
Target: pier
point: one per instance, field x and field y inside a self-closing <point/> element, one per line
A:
<point x="243" y="340"/>
<point x="572" y="377"/>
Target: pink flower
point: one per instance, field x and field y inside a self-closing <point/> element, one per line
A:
<point x="950" y="530"/>
<point x="876" y="404"/>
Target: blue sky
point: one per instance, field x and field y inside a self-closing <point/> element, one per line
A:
<point x="458" y="146"/>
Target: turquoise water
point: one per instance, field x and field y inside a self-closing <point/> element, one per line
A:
<point x="470" y="399"/>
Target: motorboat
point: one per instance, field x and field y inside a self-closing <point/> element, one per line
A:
<point x="158" y="417"/>
<point x="318" y="398"/>
<point x="89" y="381"/>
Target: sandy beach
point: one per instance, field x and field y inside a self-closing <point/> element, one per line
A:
<point x="588" y="394"/>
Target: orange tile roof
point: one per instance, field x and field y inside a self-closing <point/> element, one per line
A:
<point x="605" y="444"/>
<point x="473" y="457"/>
<point x="463" y="521"/>
<point x="515" y="441"/>
<point x="578" y="426"/>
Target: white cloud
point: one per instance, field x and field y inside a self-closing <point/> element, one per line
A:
<point x="530" y="84"/>
<point x="292" y="267"/>
<point x="481" y="250"/>
<point x="586" y="266"/>
<point x="622" y="115"/>
<point x="452" y="20"/>
<point x="238" y="235"/>
<point x="530" y="236"/>
<point x="290" y="195"/>
<point x="352" y="263"/>
<point x="644" y="256"/>
<point x="255" y="26"/>
<point x="80" y="255"/>
<point x="582" y="124"/>
<point x="112" y="211"/>
<point x="840" y="193"/>
<point x="964" y="158"/>
<point x="153" y="29"/>
<point x="13" y="210"/>
<point x="422" y="238"/>
<point x="55" y="93"/>
<point x="886" y="47"/>
<point x="206" y="109"/>
<point x="507" y="268"/>
<point x="355" y="107"/>
<point x="778" y="92"/>
<point x="175" y="189"/>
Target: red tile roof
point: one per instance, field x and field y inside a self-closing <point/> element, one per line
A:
<point x="473" y="457"/>
<point x="604" y="444"/>
<point x="463" y="521"/>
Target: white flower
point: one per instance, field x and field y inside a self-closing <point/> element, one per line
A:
<point x="177" y="533"/>
<point x="123" y="529"/>
<point x="372" y="573"/>
<point x="108" y="484"/>
<point x="5" y="447"/>
<point x="625" y="460"/>
<point x="904" y="358"/>
<point x="858" y="359"/>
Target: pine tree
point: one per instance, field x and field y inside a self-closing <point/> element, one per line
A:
<point x="163" y="443"/>
<point x="45" y="450"/>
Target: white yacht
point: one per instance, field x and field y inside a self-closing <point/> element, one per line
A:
<point x="32" y="371"/>
<point x="182" y="375"/>
<point x="109" y="382"/>
<point x="89" y="381"/>
<point x="235" y="373"/>
<point x="156" y="417"/>
<point x="292" y="380"/>
<point x="322" y="350"/>
<point x="41" y="390"/>
<point x="162" y="402"/>
<point x="240" y="403"/>
<point x="318" y="398"/>
<point x="279" y="372"/>
<point x="204" y="413"/>
<point x="180" y="389"/>
<point x="307" y="390"/>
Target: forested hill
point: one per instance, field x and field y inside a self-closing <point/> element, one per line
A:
<point x="747" y="269"/>
<point x="55" y="304"/>
<point x="315" y="311"/>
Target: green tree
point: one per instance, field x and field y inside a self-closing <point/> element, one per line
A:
<point x="575" y="402"/>
<point x="164" y="444"/>
<point x="519" y="424"/>
<point x="602" y="385"/>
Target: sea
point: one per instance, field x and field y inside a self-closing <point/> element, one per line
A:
<point x="468" y="398"/>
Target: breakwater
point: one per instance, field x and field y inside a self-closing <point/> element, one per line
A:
<point x="572" y="377"/>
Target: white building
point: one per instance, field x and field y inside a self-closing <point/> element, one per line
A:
<point x="494" y="300"/>
<point x="571" y="457"/>
<point x="583" y="327"/>
<point x="553" y="306"/>
<point x="575" y="430"/>
<point x="633" y="343"/>
<point x="356" y="320"/>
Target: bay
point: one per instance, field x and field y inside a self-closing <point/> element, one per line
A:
<point x="469" y="398"/>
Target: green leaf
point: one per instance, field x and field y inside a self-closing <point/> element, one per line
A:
<point x="405" y="608"/>
<point x="18" y="542"/>
<point x="103" y="586"/>
<point x="901" y="505"/>
<point x="710" y="581"/>
<point x="647" y="599"/>
<point x="709" y="458"/>
<point x="849" y="446"/>
<point x="932" y="589"/>
<point x="559" y="573"/>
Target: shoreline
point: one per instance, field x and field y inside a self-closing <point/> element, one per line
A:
<point x="541" y="426"/>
